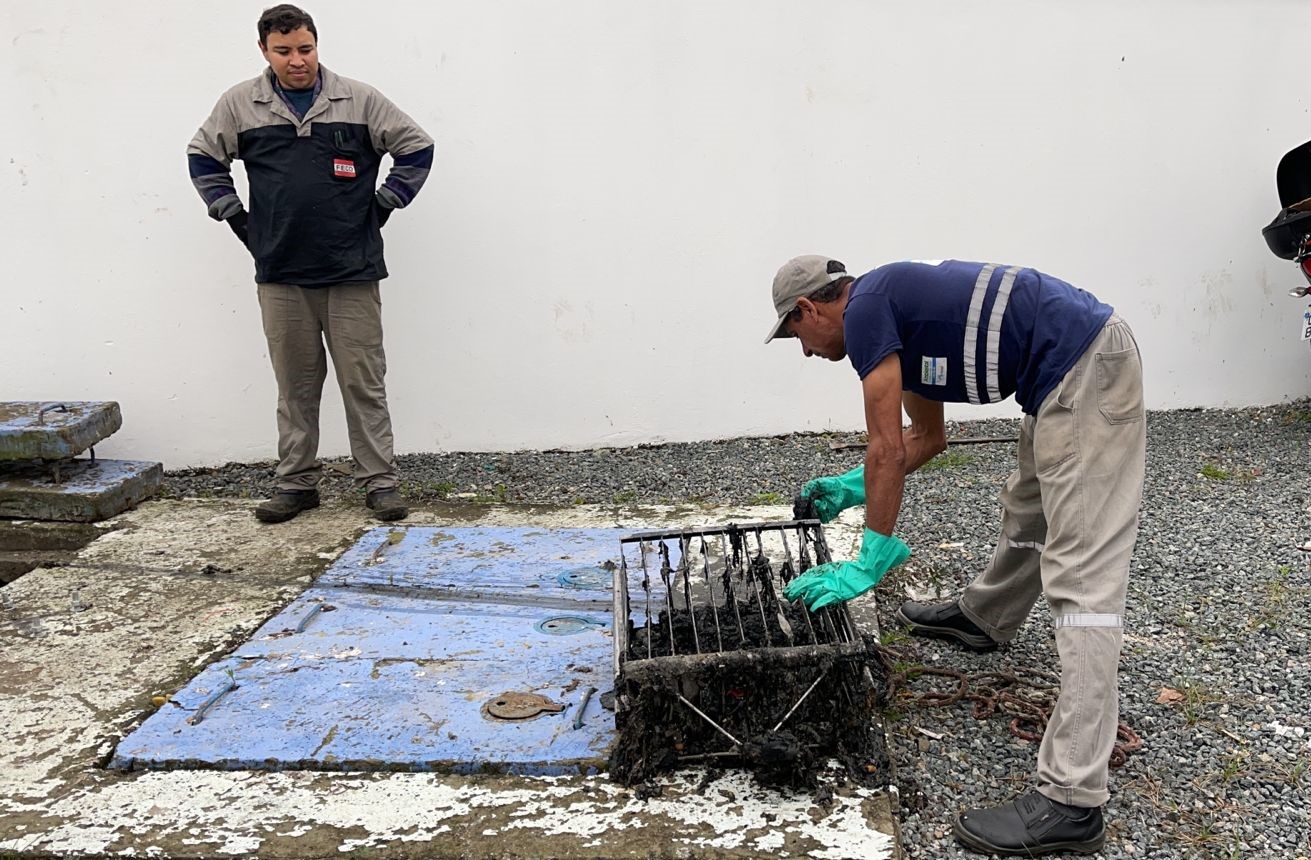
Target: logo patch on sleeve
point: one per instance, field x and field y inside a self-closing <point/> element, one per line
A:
<point x="343" y="168"/>
<point x="933" y="371"/>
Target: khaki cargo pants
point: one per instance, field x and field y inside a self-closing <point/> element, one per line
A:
<point x="1069" y="522"/>
<point x="297" y="322"/>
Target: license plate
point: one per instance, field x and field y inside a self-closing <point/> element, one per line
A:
<point x="1306" y="323"/>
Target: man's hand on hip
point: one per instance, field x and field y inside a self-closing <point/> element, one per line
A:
<point x="240" y="226"/>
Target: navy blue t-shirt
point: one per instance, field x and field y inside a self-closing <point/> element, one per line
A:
<point x="971" y="332"/>
<point x="300" y="100"/>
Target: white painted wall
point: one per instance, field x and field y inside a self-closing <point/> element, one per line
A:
<point x="616" y="183"/>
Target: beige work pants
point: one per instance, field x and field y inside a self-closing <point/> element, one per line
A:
<point x="1069" y="522"/>
<point x="348" y="317"/>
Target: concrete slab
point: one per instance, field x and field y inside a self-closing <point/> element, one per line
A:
<point x="180" y="584"/>
<point x="52" y="430"/>
<point x="28" y="544"/>
<point x="38" y="536"/>
<point x="15" y="564"/>
<point x="88" y="490"/>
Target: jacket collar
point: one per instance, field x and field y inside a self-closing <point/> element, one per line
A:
<point x="331" y="89"/>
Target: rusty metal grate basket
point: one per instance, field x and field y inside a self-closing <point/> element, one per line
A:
<point x="712" y="664"/>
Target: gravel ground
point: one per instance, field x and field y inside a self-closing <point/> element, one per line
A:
<point x="1218" y="611"/>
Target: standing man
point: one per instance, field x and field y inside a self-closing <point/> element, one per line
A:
<point x="919" y="335"/>
<point x="312" y="142"/>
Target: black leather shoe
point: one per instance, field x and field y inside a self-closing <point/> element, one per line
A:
<point x="285" y="504"/>
<point x="387" y="504"/>
<point x="1031" y="825"/>
<point x="944" y="621"/>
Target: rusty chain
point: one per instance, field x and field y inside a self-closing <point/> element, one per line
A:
<point x="1028" y="702"/>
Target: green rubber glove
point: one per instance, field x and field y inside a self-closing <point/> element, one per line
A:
<point x="839" y="581"/>
<point x="835" y="494"/>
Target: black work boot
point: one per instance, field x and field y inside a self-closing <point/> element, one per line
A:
<point x="944" y="621"/>
<point x="1030" y="825"/>
<point x="285" y="504"/>
<point x="387" y="504"/>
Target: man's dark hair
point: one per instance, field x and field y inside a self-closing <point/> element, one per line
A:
<point x="825" y="294"/>
<point x="285" y="18"/>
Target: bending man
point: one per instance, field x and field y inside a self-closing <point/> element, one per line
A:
<point x="921" y="334"/>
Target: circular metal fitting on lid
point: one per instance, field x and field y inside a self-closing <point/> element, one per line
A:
<point x="514" y="705"/>
<point x="595" y="578"/>
<point x="566" y="625"/>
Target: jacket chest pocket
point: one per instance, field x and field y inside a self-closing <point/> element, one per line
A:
<point x="346" y="155"/>
<point x="343" y="143"/>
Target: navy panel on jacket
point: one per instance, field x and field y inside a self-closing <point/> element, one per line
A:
<point x="312" y="201"/>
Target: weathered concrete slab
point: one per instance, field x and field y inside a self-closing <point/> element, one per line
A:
<point x="88" y="490"/>
<point x="15" y="564"/>
<point x="38" y="536"/>
<point x="53" y="430"/>
<point x="28" y="544"/>
<point x="146" y="606"/>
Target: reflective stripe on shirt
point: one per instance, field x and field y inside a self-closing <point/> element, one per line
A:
<point x="994" y="332"/>
<point x="972" y="332"/>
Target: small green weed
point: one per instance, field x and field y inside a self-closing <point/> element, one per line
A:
<point x="1294" y="776"/>
<point x="909" y="670"/>
<point x="895" y="636"/>
<point x="1198" y="700"/>
<point x="766" y="498"/>
<point x="497" y="495"/>
<point x="1214" y="472"/>
<point x="1282" y="599"/>
<point x="1235" y="765"/>
<point x="948" y="460"/>
<point x="431" y="489"/>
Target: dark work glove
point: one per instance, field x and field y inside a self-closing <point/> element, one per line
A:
<point x="803" y="508"/>
<point x="239" y="227"/>
<point x="383" y="212"/>
<point x="833" y="495"/>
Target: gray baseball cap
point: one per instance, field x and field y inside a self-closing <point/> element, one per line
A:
<point x="798" y="278"/>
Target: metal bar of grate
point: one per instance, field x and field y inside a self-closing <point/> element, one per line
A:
<point x="729" y="593"/>
<point x="790" y="571"/>
<point x="710" y="594"/>
<point x="646" y="586"/>
<point x="684" y="567"/>
<point x="810" y="527"/>
<point x="774" y="602"/>
<point x="746" y="568"/>
<point x="669" y="595"/>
